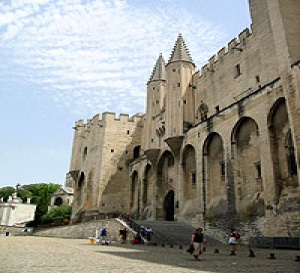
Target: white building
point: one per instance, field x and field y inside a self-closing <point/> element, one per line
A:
<point x="14" y="212"/>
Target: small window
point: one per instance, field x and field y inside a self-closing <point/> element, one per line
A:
<point x="257" y="79"/>
<point x="194" y="178"/>
<point x="157" y="101"/>
<point x="112" y="150"/>
<point x="178" y="84"/>
<point x="217" y="109"/>
<point x="258" y="169"/>
<point x="174" y="70"/>
<point x="237" y="70"/>
<point x="128" y="132"/>
<point x="152" y="140"/>
<point x="184" y="101"/>
<point x="222" y="168"/>
<point x="153" y="88"/>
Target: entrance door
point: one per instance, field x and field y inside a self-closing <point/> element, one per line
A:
<point x="169" y="206"/>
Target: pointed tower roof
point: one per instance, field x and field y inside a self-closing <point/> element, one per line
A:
<point x="159" y="70"/>
<point x="180" y="51"/>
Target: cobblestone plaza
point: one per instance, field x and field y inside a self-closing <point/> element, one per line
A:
<point x="20" y="254"/>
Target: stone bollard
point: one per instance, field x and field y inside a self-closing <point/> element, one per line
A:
<point x="251" y="253"/>
<point x="272" y="256"/>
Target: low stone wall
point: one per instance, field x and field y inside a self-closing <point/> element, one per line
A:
<point x="84" y="230"/>
<point x="276" y="242"/>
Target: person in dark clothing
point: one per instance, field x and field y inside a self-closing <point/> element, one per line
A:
<point x="123" y="233"/>
<point x="197" y="240"/>
<point x="103" y="236"/>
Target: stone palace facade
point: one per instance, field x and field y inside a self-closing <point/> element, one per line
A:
<point x="216" y="144"/>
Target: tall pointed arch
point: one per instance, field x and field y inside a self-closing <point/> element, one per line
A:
<point x="134" y="204"/>
<point x="164" y="182"/>
<point x="189" y="172"/>
<point x="282" y="148"/>
<point x="214" y="187"/>
<point x="247" y="162"/>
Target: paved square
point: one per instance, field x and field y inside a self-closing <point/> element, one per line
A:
<point x="20" y="254"/>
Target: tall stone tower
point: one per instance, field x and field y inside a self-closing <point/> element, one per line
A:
<point x="179" y="71"/>
<point x="155" y="103"/>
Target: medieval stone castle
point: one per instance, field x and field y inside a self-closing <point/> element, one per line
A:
<point x="219" y="143"/>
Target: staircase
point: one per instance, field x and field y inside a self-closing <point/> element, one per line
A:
<point x="173" y="233"/>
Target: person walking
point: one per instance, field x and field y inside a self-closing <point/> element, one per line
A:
<point x="149" y="233"/>
<point x="197" y="240"/>
<point x="103" y="236"/>
<point x="123" y="233"/>
<point x="233" y="236"/>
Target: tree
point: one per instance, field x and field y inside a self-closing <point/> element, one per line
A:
<point x="6" y="192"/>
<point x="41" y="196"/>
<point x="59" y="215"/>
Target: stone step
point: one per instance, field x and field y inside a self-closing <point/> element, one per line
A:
<point x="173" y="233"/>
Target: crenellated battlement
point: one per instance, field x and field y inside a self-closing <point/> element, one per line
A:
<point x="235" y="45"/>
<point x="108" y="117"/>
<point x="79" y="124"/>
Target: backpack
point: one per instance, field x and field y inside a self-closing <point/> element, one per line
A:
<point x="237" y="236"/>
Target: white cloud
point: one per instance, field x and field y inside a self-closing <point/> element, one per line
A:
<point x="93" y="53"/>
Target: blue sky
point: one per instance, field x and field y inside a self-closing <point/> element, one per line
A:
<point x="65" y="60"/>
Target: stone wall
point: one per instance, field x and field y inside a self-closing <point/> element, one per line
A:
<point x="84" y="230"/>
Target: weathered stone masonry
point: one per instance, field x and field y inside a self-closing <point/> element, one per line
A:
<point x="219" y="142"/>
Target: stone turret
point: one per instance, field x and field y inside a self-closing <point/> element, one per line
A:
<point x="155" y="100"/>
<point x="179" y="106"/>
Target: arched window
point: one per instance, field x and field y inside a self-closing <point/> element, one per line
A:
<point x="202" y="112"/>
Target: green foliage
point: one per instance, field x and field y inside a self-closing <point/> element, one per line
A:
<point x="41" y="196"/>
<point x="6" y="191"/>
<point x="59" y="214"/>
<point x="24" y="194"/>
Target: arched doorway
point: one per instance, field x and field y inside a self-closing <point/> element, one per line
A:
<point x="169" y="206"/>
<point x="58" y="201"/>
<point x="164" y="182"/>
